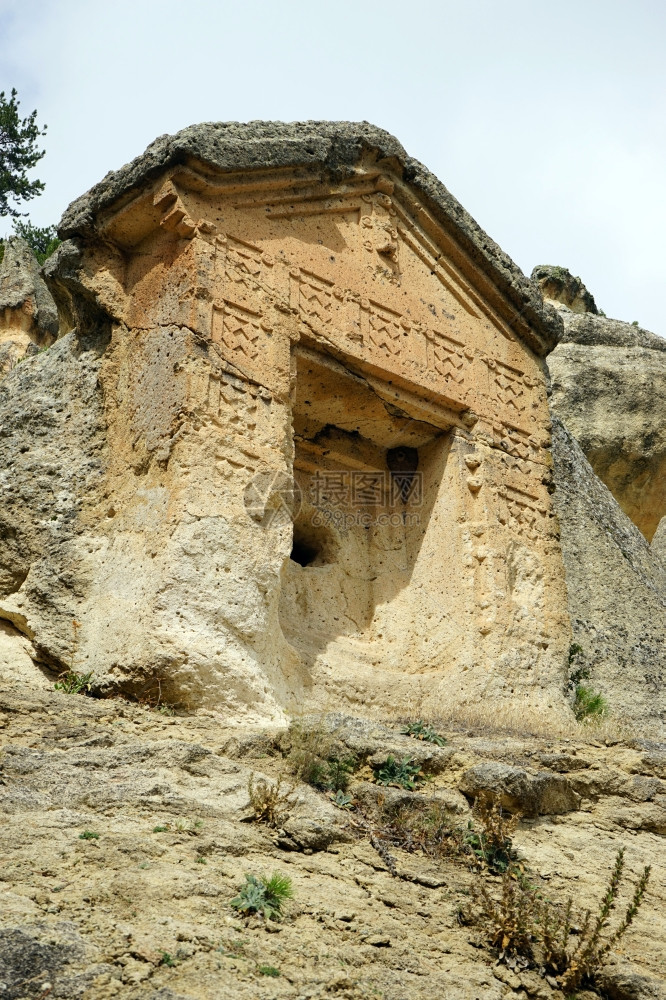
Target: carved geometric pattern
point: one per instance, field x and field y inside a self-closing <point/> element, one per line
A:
<point x="426" y="357"/>
<point x="237" y="328"/>
<point x="445" y="357"/>
<point x="315" y="299"/>
<point x="385" y="331"/>
<point x="516" y="443"/>
<point x="242" y="273"/>
<point x="524" y="518"/>
<point x="507" y="385"/>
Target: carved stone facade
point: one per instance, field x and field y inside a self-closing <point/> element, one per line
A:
<point x="318" y="361"/>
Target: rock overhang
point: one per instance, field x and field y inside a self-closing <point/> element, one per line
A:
<point x="330" y="151"/>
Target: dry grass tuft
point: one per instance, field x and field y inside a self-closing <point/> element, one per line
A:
<point x="270" y="802"/>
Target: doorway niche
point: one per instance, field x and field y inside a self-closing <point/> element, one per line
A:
<point x="351" y="559"/>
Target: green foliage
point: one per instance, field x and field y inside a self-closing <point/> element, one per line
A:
<point x="420" y="731"/>
<point x="88" y="835"/>
<point x="265" y="896"/>
<point x="69" y="680"/>
<point x="43" y="242"/>
<point x="634" y="322"/>
<point x="167" y="959"/>
<point x="190" y="826"/>
<point x="314" y="758"/>
<point x="589" y="705"/>
<point x="268" y="970"/>
<point x="270" y="803"/>
<point x="18" y="155"/>
<point x="72" y="683"/>
<point x="201" y="861"/>
<point x="522" y="925"/>
<point x="400" y="773"/>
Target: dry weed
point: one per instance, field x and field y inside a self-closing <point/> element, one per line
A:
<point x="270" y="802"/>
<point x="531" y="931"/>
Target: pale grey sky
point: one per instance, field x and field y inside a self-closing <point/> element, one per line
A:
<point x="547" y="121"/>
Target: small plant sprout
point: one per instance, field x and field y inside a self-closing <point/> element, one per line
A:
<point x="400" y="773"/>
<point x="341" y="799"/>
<point x="167" y="959"/>
<point x="160" y="829"/>
<point x="193" y="827"/>
<point x="420" y="731"/>
<point x="264" y="896"/>
<point x="268" y="970"/>
<point x="69" y="682"/>
<point x="88" y="835"/>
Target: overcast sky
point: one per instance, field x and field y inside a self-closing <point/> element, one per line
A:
<point x="546" y="120"/>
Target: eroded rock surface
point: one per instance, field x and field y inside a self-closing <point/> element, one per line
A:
<point x="616" y="586"/>
<point x="609" y="388"/>
<point x="28" y="314"/>
<point x="94" y="918"/>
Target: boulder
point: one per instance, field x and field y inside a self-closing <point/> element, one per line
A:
<point x="373" y="742"/>
<point x="622" y="982"/>
<point x="28" y="313"/>
<point x="559" y="286"/>
<point x="521" y="791"/>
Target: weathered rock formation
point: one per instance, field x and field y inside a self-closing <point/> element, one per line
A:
<point x="28" y="314"/>
<point x="609" y="388"/>
<point x="253" y="305"/>
<point x="617" y="589"/>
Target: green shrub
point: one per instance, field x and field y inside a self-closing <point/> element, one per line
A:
<point x="588" y="704"/>
<point x="400" y="773"/>
<point x="265" y="896"/>
<point x="88" y="835"/>
<point x="268" y="970"/>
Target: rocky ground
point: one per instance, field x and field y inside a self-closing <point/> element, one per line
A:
<point x="143" y="915"/>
